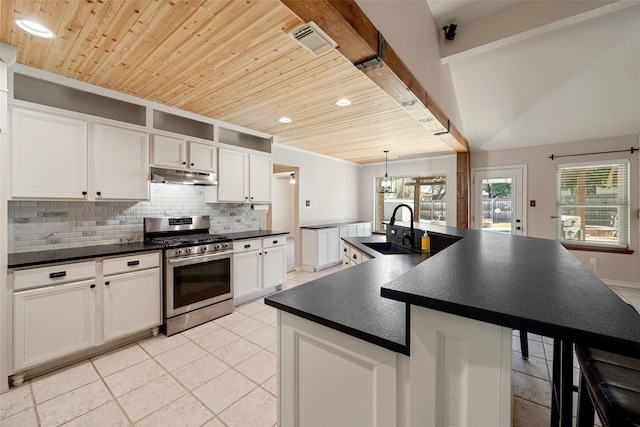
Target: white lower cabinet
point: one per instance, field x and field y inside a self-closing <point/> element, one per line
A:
<point x="259" y="266"/>
<point x="320" y="248"/>
<point x="328" y="378"/>
<point x="131" y="303"/>
<point x="61" y="310"/>
<point x="52" y="322"/>
<point x="352" y="256"/>
<point x="247" y="268"/>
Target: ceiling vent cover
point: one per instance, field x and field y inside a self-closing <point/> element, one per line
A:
<point x="313" y="38"/>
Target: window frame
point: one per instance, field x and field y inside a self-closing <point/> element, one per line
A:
<point x="623" y="201"/>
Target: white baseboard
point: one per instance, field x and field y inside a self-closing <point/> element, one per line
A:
<point x="620" y="284"/>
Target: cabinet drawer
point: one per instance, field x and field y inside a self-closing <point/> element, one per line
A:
<point x="53" y="275"/>
<point x="269" y="242"/>
<point x="355" y="255"/>
<point x="247" y="245"/>
<point x="130" y="263"/>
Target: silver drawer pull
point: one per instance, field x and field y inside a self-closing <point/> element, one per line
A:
<point x="275" y="242"/>
<point x="57" y="274"/>
<point x="133" y="263"/>
<point x="247" y="246"/>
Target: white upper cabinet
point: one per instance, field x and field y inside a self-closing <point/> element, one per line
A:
<point x="48" y="156"/>
<point x="176" y="153"/>
<point x="120" y="164"/>
<point x="52" y="157"/>
<point x="244" y="177"/>
<point x="261" y="171"/>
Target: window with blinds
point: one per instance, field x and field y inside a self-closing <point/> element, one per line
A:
<point x="593" y="204"/>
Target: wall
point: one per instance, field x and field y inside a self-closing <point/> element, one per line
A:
<point x="282" y="205"/>
<point x="46" y="225"/>
<point x="411" y="31"/>
<point x="329" y="184"/>
<point x="541" y="188"/>
<point x="426" y="166"/>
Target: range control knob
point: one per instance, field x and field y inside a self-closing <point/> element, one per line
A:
<point x="203" y="249"/>
<point x="225" y="246"/>
<point x="217" y="246"/>
<point x="179" y="251"/>
<point x="189" y="250"/>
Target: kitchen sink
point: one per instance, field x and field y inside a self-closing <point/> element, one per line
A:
<point x="388" y="248"/>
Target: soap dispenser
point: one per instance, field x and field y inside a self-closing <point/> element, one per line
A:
<point x="426" y="243"/>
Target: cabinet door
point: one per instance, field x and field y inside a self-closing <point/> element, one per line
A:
<point x="261" y="171"/>
<point x="120" y="164"/>
<point x="346" y="231"/>
<point x="132" y="303"/>
<point x="233" y="183"/>
<point x="169" y="152"/>
<point x="247" y="269"/>
<point x="363" y="230"/>
<point x="310" y="247"/>
<point x="275" y="266"/>
<point x="48" y="156"/>
<point x="202" y="157"/>
<point x="52" y="322"/>
<point x="328" y="247"/>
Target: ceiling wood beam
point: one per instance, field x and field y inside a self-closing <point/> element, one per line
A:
<point x="358" y="41"/>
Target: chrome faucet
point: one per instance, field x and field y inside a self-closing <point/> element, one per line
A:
<point x="411" y="235"/>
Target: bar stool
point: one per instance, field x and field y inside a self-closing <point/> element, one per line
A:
<point x="524" y="344"/>
<point x="609" y="386"/>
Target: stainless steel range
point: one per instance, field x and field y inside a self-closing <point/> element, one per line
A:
<point x="198" y="270"/>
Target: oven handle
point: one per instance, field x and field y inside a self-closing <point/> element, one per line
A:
<point x="200" y="258"/>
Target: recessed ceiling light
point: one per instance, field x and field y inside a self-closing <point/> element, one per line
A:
<point x="34" y="28"/>
<point x="285" y="120"/>
<point x="343" y="102"/>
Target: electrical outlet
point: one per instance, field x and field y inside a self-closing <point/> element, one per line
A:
<point x="593" y="261"/>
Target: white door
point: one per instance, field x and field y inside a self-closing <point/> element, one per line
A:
<point x="233" y="183"/>
<point x="132" y="303"/>
<point x="499" y="196"/>
<point x="261" y="169"/>
<point x="48" y="156"/>
<point x="52" y="322"/>
<point x="247" y="268"/>
<point x="274" y="266"/>
<point x="120" y="164"/>
<point x="169" y="152"/>
<point x="202" y="157"/>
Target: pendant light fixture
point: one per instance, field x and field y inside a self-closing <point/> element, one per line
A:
<point x="387" y="185"/>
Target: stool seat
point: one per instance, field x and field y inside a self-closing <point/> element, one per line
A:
<point x="612" y="382"/>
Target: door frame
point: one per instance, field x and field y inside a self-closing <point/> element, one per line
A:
<point x="520" y="204"/>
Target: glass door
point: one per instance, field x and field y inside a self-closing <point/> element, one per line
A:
<point x="498" y="200"/>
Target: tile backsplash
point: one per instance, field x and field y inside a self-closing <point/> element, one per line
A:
<point x="46" y="225"/>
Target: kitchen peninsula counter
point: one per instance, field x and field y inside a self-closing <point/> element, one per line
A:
<point x="435" y="332"/>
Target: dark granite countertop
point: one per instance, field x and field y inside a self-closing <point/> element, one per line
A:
<point x="517" y="282"/>
<point x="349" y="300"/>
<point x="332" y="225"/>
<point x="253" y="234"/>
<point x="30" y="259"/>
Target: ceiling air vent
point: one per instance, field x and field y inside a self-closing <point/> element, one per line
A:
<point x="313" y="38"/>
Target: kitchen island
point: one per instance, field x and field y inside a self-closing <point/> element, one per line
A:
<point x="454" y="311"/>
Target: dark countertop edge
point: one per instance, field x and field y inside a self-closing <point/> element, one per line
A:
<point x="333" y="225"/>
<point x="604" y="342"/>
<point x="373" y="339"/>
<point x="253" y="234"/>
<point x="31" y="259"/>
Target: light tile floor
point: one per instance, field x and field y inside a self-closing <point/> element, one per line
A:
<point x="222" y="373"/>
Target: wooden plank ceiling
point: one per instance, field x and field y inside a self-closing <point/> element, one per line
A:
<point x="227" y="59"/>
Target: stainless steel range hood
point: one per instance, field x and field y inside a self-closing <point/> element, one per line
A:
<point x="183" y="177"/>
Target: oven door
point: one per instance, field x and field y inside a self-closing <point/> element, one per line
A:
<point x="195" y="282"/>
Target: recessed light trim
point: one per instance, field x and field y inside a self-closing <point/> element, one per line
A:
<point x="343" y="102"/>
<point x="34" y="28"/>
<point x="285" y="120"/>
